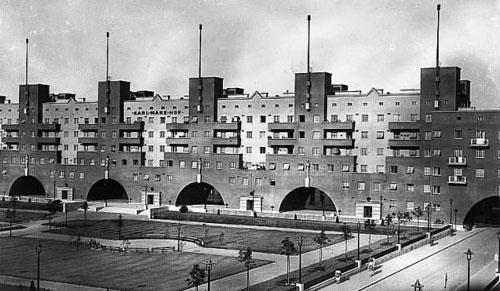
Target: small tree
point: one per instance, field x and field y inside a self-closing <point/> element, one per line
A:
<point x="196" y="277"/>
<point x="370" y="225"/>
<point x="52" y="211"/>
<point x="85" y="207"/>
<point x="245" y="257"/>
<point x="388" y="219"/>
<point x="346" y="234"/>
<point x="288" y="249"/>
<point x="119" y="223"/>
<point x="418" y="212"/>
<point x="321" y="240"/>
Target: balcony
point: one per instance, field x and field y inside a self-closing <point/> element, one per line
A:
<point x="479" y="142"/>
<point x="130" y="140"/>
<point x="403" y="126"/>
<point x="404" y="143"/>
<point x="88" y="127"/>
<point x="10" y="127"/>
<point x="457" y="180"/>
<point x="282" y="126"/>
<point x="281" y="141"/>
<point x="228" y="141"/>
<point x="338" y="126"/>
<point x="87" y="140"/>
<point x="10" y="139"/>
<point x="48" y="127"/>
<point x="457" y="161"/>
<point x="341" y="143"/>
<point x="49" y="140"/>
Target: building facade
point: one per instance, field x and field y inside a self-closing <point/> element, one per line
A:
<point x="321" y="147"/>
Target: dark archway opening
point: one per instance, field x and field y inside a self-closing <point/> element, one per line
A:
<point x="27" y="186"/>
<point x="307" y="199"/>
<point x="484" y="212"/>
<point x="198" y="194"/>
<point x="107" y="189"/>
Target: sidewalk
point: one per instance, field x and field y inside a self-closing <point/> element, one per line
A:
<point x="362" y="280"/>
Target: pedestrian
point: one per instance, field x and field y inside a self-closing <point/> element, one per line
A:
<point x="371" y="266"/>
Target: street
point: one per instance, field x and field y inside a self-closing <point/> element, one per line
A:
<point x="440" y="267"/>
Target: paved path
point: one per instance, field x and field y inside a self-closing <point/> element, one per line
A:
<point x="431" y="265"/>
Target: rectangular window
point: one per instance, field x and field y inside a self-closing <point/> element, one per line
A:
<point x="437" y="133"/>
<point x="427" y="171"/>
<point x="361" y="186"/>
<point x="364" y="168"/>
<point x="316" y="135"/>
<point x="182" y="164"/>
<point x="479" y="173"/>
<point x="315" y="119"/>
<point x="262" y="150"/>
<point x="206" y="149"/>
<point x="345" y="185"/>
<point x="396" y="117"/>
<point x="315" y="151"/>
<point x="249" y="150"/>
<point x="436" y="171"/>
<point x="249" y="134"/>
<point x="262" y="119"/>
<point x="427" y="188"/>
<point x="206" y="134"/>
<point x="364" y="118"/>
<point x="380" y="134"/>
<point x="364" y="134"/>
<point x="194" y="149"/>
<point x="330" y="167"/>
<point x="436" y="190"/>
<point x="315" y="167"/>
<point x="232" y="165"/>
<point x="286" y="166"/>
<point x="428" y="118"/>
<point x="218" y="165"/>
<point x="380" y="169"/>
<point x="457" y="172"/>
<point x="428" y="135"/>
<point x="232" y="180"/>
<point x="410" y="205"/>
<point x="377" y="186"/>
<point x="380" y="117"/>
<point x="410" y="170"/>
<point x="479" y="154"/>
<point x="437" y="153"/>
<point x="393" y="169"/>
<point x="393" y="186"/>
<point x="272" y="166"/>
<point x="348" y="117"/>
<point x="410" y="187"/>
<point x="457" y="134"/>
<point x="364" y="151"/>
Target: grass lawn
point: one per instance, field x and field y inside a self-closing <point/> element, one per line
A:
<point x="62" y="262"/>
<point x="22" y="216"/>
<point x="267" y="241"/>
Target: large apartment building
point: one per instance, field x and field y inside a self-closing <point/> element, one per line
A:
<point x="319" y="147"/>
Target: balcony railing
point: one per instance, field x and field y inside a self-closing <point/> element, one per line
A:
<point x="479" y="142"/>
<point x="457" y="161"/>
<point x="457" y="180"/>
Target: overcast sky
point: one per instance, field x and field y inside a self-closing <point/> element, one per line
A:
<point x="256" y="45"/>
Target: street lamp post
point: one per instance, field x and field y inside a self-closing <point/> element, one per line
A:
<point x="456" y="210"/>
<point x="38" y="250"/>
<point x="179" y="237"/>
<point x="399" y="226"/>
<point x="469" y="257"/>
<point x="498" y="266"/>
<point x="146" y="196"/>
<point x="381" y="214"/>
<point x="300" y="259"/>
<point x="359" y="227"/>
<point x="208" y="267"/>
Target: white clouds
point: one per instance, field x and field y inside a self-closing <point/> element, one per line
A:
<point x="257" y="45"/>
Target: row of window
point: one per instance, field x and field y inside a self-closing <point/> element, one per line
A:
<point x="276" y="105"/>
<point x="380" y="103"/>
